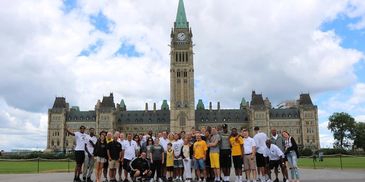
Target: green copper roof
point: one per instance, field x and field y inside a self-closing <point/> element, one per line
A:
<point x="181" y="21"/>
<point x="76" y="108"/>
<point x="243" y="102"/>
<point x="122" y="105"/>
<point x="200" y="105"/>
<point x="164" y="105"/>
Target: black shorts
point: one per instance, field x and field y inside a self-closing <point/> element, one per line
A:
<point x="260" y="160"/>
<point x="275" y="164"/>
<point x="237" y="162"/>
<point x="79" y="157"/>
<point x="126" y="165"/>
<point x="106" y="164"/>
<point x="225" y="158"/>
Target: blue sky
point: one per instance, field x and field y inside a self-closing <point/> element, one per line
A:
<point x="86" y="49"/>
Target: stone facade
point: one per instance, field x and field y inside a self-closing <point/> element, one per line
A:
<point x="300" y="119"/>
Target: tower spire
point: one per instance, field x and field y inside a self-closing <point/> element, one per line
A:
<point x="181" y="21"/>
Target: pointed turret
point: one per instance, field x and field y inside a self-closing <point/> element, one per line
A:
<point x="181" y="21"/>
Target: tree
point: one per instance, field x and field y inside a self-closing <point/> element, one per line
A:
<point x="359" y="135"/>
<point x="342" y="125"/>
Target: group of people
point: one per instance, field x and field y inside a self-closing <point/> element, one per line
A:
<point x="202" y="155"/>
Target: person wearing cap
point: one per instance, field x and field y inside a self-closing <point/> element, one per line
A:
<point x="81" y="139"/>
<point x="225" y="158"/>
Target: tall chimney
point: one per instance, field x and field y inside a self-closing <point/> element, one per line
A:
<point x="210" y="106"/>
<point x="146" y="108"/>
<point x="154" y="107"/>
<point x="219" y="106"/>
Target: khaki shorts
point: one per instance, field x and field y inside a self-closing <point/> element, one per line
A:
<point x="249" y="164"/>
<point x="214" y="160"/>
<point x="100" y="159"/>
<point x="113" y="164"/>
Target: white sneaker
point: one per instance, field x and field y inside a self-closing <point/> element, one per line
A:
<point x="160" y="180"/>
<point x="151" y="180"/>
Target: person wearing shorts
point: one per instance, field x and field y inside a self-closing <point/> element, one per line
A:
<point x="276" y="159"/>
<point x="236" y="142"/>
<point x="169" y="162"/>
<point x="114" y="151"/>
<point x="200" y="148"/>
<point x="225" y="159"/>
<point x="260" y="140"/>
<point x="81" y="139"/>
<point x="249" y="152"/>
<point x="129" y="149"/>
<point x="213" y="145"/>
<point x="100" y="153"/>
<point x="178" y="162"/>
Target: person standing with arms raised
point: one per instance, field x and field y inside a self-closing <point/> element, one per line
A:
<point x="81" y="139"/>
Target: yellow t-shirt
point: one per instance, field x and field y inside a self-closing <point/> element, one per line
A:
<point x="170" y="158"/>
<point x="236" y="145"/>
<point x="200" y="149"/>
<point x="109" y="140"/>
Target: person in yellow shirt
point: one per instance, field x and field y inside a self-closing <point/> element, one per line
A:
<point x="169" y="161"/>
<point x="200" y="148"/>
<point x="236" y="142"/>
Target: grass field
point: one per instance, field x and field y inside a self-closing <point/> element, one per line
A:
<point x="17" y="167"/>
<point x="334" y="162"/>
<point x="7" y="167"/>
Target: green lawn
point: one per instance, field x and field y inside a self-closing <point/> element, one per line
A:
<point x="334" y="162"/>
<point x="32" y="166"/>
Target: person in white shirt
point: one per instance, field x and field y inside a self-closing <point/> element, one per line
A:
<point x="129" y="149"/>
<point x="249" y="153"/>
<point x="89" y="155"/>
<point x="260" y="140"/>
<point x="178" y="162"/>
<point x="276" y="157"/>
<point x="80" y="138"/>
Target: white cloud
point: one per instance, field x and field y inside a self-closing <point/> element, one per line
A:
<point x="21" y="129"/>
<point x="326" y="140"/>
<point x="360" y="118"/>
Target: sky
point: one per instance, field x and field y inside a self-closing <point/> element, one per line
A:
<point x="85" y="49"/>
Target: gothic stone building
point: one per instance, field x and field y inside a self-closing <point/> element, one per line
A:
<point x="300" y="119"/>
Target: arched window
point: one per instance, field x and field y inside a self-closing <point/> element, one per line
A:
<point x="187" y="56"/>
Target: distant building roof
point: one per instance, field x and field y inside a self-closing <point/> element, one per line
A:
<point x="257" y="100"/>
<point x="200" y="105"/>
<point x="144" y="117"/>
<point x="221" y="116"/>
<point x="108" y="101"/>
<point x="305" y="99"/>
<point x="60" y="102"/>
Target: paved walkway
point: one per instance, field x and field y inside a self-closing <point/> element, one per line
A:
<point x="307" y="175"/>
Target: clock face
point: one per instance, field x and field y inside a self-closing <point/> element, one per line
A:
<point x="181" y="36"/>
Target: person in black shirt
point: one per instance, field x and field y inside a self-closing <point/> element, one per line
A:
<point x="100" y="154"/>
<point x="114" y="151"/>
<point x="140" y="167"/>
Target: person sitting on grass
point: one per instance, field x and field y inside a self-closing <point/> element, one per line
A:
<point x="140" y="167"/>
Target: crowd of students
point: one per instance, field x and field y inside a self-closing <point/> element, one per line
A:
<point x="198" y="155"/>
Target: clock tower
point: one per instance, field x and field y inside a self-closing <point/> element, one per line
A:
<point x="182" y="116"/>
